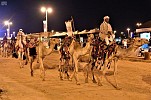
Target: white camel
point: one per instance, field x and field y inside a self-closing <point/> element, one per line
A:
<point x="42" y="52"/>
<point x="21" y="50"/>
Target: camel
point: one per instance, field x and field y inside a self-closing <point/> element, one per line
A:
<point x="5" y="49"/>
<point x="21" y="50"/>
<point x="80" y="52"/>
<point x="42" y="52"/>
<point x="102" y="70"/>
<point x="64" y="63"/>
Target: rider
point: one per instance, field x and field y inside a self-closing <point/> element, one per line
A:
<point x="21" y="40"/>
<point x="64" y="49"/>
<point x="32" y="47"/>
<point x="21" y="35"/>
<point x="106" y="32"/>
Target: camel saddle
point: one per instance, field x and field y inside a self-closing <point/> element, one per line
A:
<point x="64" y="48"/>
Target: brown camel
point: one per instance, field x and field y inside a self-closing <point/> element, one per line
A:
<point x="42" y="52"/>
<point x="104" y="70"/>
<point x="80" y="52"/>
<point x="64" y="62"/>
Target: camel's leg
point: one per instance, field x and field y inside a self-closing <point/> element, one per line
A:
<point x="6" y="53"/>
<point x="31" y="63"/>
<point x="104" y="74"/>
<point x="60" y="70"/>
<point x="42" y="69"/>
<point x="67" y="68"/>
<point x="85" y="72"/>
<point x="27" y="58"/>
<point x="2" y="51"/>
<point x="98" y="74"/>
<point x="115" y="73"/>
<point x="76" y="73"/>
<point x="92" y="71"/>
<point x="21" y="60"/>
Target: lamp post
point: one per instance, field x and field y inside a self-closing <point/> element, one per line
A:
<point x="128" y="30"/>
<point x="8" y="29"/>
<point x="46" y="10"/>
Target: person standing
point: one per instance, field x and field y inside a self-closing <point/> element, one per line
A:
<point x="106" y="32"/>
<point x="125" y="43"/>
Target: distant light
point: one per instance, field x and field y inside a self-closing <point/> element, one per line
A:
<point x="128" y="29"/>
<point x="52" y="31"/>
<point x="122" y="32"/>
<point x="139" y="24"/>
<point x="49" y="10"/>
<point x="8" y="23"/>
<point x="43" y="9"/>
<point x="3" y="3"/>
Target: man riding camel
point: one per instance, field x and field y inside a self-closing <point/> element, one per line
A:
<point x="21" y="42"/>
<point x="106" y="32"/>
<point x="21" y="35"/>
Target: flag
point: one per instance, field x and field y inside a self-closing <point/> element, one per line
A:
<point x="69" y="27"/>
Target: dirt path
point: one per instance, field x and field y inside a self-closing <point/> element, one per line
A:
<point x="133" y="77"/>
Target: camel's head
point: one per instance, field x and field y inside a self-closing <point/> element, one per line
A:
<point x="140" y="41"/>
<point x="54" y="40"/>
<point x="90" y="37"/>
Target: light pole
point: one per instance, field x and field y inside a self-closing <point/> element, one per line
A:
<point x="128" y="30"/>
<point x="46" y="10"/>
<point x="8" y="29"/>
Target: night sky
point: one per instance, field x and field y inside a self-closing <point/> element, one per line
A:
<point x="87" y="14"/>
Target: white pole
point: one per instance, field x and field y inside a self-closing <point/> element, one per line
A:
<point x="8" y="34"/>
<point x="46" y="22"/>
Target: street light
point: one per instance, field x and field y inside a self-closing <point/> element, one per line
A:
<point x="138" y="24"/>
<point x="128" y="29"/>
<point x="46" y="10"/>
<point x="115" y="32"/>
<point x="8" y="29"/>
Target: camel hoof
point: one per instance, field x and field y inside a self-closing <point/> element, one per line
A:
<point x="26" y="63"/>
<point x="118" y="88"/>
<point x="86" y="80"/>
<point x="94" y="81"/>
<point x="70" y="79"/>
<point x="77" y="83"/>
<point x="61" y="78"/>
<point x="100" y="84"/>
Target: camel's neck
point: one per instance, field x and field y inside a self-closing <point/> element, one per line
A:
<point x="126" y="52"/>
<point x="43" y="51"/>
<point x="71" y="47"/>
<point x="86" y="49"/>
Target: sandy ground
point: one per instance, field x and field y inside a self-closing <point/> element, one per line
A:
<point x="134" y="77"/>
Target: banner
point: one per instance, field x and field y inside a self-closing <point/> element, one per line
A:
<point x="44" y="26"/>
<point x="69" y="27"/>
